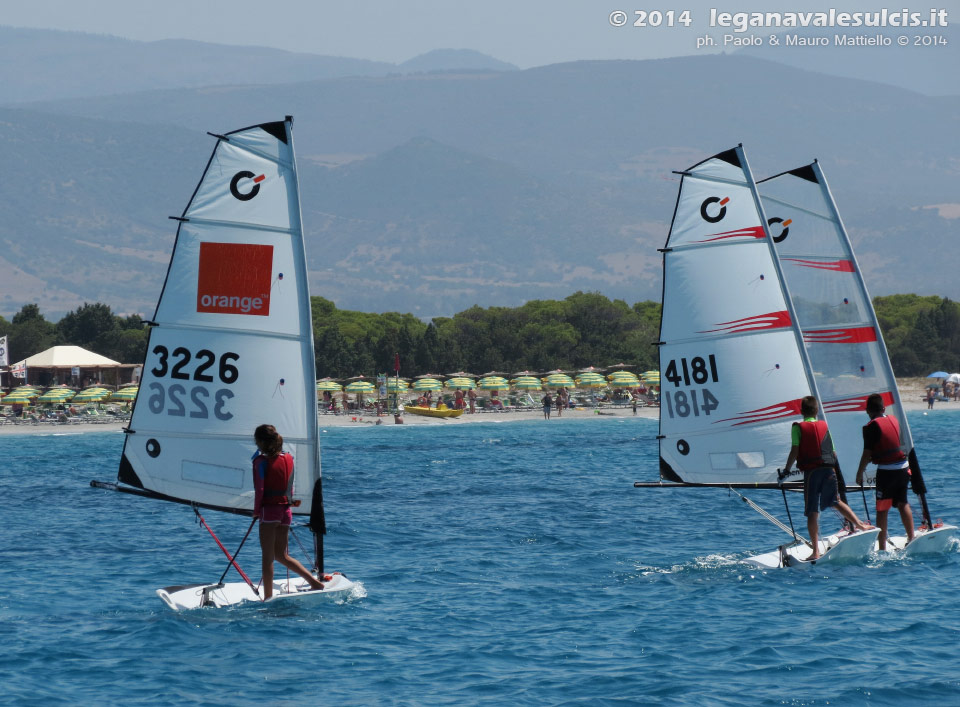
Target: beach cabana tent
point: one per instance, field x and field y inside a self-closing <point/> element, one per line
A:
<point x="59" y="359"/>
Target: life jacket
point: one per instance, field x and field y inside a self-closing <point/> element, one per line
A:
<point x="277" y="479"/>
<point x="887" y="450"/>
<point x="816" y="446"/>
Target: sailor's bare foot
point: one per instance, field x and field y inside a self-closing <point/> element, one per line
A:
<point x="812" y="558"/>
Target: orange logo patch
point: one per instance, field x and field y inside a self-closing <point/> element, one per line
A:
<point x="234" y="278"/>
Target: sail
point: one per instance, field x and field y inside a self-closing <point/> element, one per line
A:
<point x="840" y="330"/>
<point x="731" y="366"/>
<point x="231" y="343"/>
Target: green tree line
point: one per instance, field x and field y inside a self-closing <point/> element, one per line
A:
<point x="585" y="329"/>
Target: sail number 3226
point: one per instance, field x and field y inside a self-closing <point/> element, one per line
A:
<point x="197" y="401"/>
<point x="698" y="371"/>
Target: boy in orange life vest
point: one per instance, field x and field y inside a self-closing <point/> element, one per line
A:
<point x="881" y="445"/>
<point x="273" y="486"/>
<point x="812" y="450"/>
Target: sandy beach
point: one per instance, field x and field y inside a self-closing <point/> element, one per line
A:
<point x="912" y="392"/>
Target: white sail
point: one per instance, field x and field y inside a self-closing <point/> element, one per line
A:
<point x="834" y="311"/>
<point x="731" y="364"/>
<point x="231" y="345"/>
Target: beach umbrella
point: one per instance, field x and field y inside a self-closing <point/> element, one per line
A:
<point x="559" y="380"/>
<point x="953" y="378"/>
<point x="19" y="397"/>
<point x="489" y="374"/>
<point x="395" y="385"/>
<point x="460" y="374"/>
<point x="525" y="374"/>
<point x="56" y="395"/>
<point x="329" y="386"/>
<point x="591" y="369"/>
<point x="938" y="374"/>
<point x="526" y="383"/>
<point x="125" y="395"/>
<point x="623" y="378"/>
<point x="591" y="380"/>
<point x="91" y="395"/>
<point x="493" y="383"/>
<point x="361" y="387"/>
<point x="460" y="383"/>
<point x="622" y="365"/>
<point x="425" y="384"/>
<point x="554" y="372"/>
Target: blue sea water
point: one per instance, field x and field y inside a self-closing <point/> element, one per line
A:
<point x="509" y="562"/>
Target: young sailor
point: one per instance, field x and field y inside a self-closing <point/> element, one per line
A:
<point x="273" y="484"/>
<point x="812" y="450"/>
<point x="881" y="445"/>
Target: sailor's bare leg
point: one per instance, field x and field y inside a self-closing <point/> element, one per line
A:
<point x="283" y="557"/>
<point x="813" y="528"/>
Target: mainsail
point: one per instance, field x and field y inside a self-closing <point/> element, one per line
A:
<point x="231" y="343"/>
<point x="732" y="364"/>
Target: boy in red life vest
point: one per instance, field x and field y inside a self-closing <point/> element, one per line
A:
<point x="812" y="450"/>
<point x="273" y="486"/>
<point x="881" y="445"/>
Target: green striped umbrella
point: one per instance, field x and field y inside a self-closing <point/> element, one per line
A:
<point x="56" y="395"/>
<point x="591" y="380"/>
<point x="395" y="385"/>
<point x="425" y="384"/>
<point x="527" y="383"/>
<point x="493" y="383"/>
<point x="559" y="380"/>
<point x="329" y="386"/>
<point x="360" y="387"/>
<point x="623" y="378"/>
<point x="126" y="395"/>
<point x="91" y="395"/>
<point x="21" y="395"/>
<point x="460" y="383"/>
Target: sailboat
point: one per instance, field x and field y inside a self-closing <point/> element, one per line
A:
<point x="231" y="347"/>
<point x="841" y="333"/>
<point x="733" y="362"/>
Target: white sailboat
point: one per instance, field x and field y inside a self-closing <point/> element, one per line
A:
<point x="840" y="330"/>
<point x="231" y="347"/>
<point x="733" y="364"/>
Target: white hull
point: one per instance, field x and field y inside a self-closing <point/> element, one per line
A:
<point x="838" y="548"/>
<point x="925" y="542"/>
<point x="235" y="593"/>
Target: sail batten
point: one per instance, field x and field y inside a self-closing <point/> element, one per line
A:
<point x="232" y="341"/>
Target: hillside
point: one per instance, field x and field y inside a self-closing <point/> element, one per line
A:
<point x="431" y="192"/>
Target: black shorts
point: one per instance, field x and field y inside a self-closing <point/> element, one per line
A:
<point x="892" y="488"/>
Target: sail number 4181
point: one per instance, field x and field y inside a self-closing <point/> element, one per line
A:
<point x="697" y="371"/>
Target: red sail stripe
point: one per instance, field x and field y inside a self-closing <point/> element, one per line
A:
<point x="773" y="320"/>
<point x="857" y="404"/>
<point x="853" y="335"/>
<point x="835" y="265"/>
<point x="751" y="232"/>
<point x="771" y="412"/>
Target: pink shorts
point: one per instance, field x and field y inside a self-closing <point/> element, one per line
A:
<point x="276" y="514"/>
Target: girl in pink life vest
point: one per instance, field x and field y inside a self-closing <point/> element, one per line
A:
<point x="273" y="486"/>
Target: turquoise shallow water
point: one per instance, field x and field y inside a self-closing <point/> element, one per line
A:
<point x="501" y="562"/>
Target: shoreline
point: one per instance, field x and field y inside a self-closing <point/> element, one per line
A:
<point x="911" y="392"/>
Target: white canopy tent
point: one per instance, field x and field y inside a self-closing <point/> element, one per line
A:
<point x="78" y="362"/>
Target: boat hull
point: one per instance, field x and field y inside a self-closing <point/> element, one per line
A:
<point x="196" y="596"/>
<point x="431" y="412"/>
<point x="842" y="547"/>
<point x="925" y="542"/>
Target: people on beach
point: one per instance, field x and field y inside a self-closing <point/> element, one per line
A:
<point x="931" y="397"/>
<point x="882" y="446"/>
<point x="273" y="498"/>
<point x="812" y="450"/>
<point x="547" y="404"/>
<point x="472" y="396"/>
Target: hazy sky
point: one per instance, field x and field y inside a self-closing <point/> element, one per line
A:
<point x="523" y="32"/>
